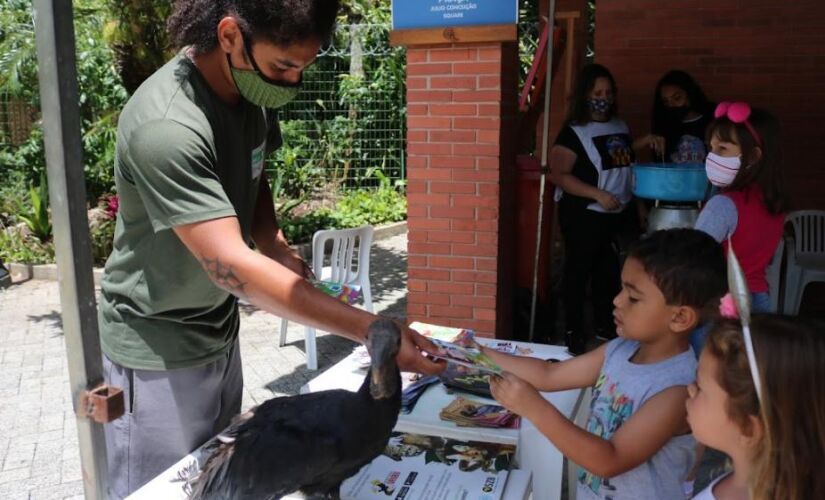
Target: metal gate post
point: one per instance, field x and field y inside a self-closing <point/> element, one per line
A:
<point x="67" y="194"/>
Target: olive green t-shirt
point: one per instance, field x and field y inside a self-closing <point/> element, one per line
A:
<point x="183" y="156"/>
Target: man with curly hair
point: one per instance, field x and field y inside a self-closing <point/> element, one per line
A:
<point x="194" y="199"/>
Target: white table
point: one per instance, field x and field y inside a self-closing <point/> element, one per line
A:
<point x="536" y="456"/>
<point x="534" y="453"/>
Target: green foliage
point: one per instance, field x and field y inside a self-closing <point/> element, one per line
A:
<point x="101" y="94"/>
<point x="38" y="217"/>
<point x="356" y="208"/>
<point x="293" y="178"/>
<point x="18" y="55"/>
<point x="352" y="115"/>
<point x="300" y="229"/>
<point x="16" y="247"/>
<point x="12" y="198"/>
<point x="102" y="237"/>
<point x="371" y="206"/>
<point x="137" y="35"/>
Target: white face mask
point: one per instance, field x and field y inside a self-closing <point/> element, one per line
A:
<point x="721" y="170"/>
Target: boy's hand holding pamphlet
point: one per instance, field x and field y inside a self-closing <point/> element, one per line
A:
<point x="458" y="347"/>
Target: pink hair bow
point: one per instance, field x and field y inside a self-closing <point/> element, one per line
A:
<point x="727" y="308"/>
<point x="737" y="112"/>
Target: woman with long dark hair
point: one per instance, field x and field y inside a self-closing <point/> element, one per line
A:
<point x="681" y="113"/>
<point x="590" y="163"/>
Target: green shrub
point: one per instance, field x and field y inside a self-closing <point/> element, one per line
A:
<point x="12" y="197"/>
<point x="355" y="208"/>
<point x="102" y="236"/>
<point x="100" y="97"/>
<point x="15" y="246"/>
<point x="37" y="218"/>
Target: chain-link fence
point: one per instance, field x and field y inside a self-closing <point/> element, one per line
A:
<point x="347" y="126"/>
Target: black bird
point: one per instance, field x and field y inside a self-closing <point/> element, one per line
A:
<point x="310" y="442"/>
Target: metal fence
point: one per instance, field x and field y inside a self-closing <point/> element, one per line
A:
<point x="349" y="119"/>
<point x="16" y="120"/>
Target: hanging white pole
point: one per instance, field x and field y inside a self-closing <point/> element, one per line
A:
<point x="544" y="149"/>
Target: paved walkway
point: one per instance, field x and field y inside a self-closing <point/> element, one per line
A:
<point x="38" y="438"/>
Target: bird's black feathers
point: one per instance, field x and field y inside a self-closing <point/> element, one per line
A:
<point x="310" y="442"/>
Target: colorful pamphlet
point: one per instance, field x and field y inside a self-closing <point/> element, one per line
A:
<point x="458" y="347"/>
<point x="422" y="467"/>
<point x="345" y="293"/>
<point x="468" y="380"/>
<point x="470" y="357"/>
<point x="445" y="333"/>
<point x="473" y="380"/>
<point x="469" y="413"/>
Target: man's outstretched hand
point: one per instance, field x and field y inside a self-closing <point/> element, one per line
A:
<point x="411" y="359"/>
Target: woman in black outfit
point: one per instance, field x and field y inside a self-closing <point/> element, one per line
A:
<point x="590" y="163"/>
<point x="681" y="113"/>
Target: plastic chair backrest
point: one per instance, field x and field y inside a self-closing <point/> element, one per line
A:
<point x="809" y="233"/>
<point x="350" y="254"/>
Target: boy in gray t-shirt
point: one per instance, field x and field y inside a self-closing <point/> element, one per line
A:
<point x="637" y="443"/>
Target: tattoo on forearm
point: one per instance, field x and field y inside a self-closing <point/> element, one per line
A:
<point x="224" y="276"/>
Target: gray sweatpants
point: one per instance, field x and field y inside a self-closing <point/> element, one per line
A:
<point x="168" y="414"/>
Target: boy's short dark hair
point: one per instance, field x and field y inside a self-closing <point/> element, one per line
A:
<point x="687" y="265"/>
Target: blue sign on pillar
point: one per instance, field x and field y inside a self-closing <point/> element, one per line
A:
<point x="411" y="14"/>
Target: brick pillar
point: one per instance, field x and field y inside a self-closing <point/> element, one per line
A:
<point x="461" y="104"/>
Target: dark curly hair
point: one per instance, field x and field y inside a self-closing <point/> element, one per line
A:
<point x="687" y="265"/>
<point x="194" y="22"/>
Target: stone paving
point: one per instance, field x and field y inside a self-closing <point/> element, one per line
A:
<point x="39" y="457"/>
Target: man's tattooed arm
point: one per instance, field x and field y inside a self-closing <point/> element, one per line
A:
<point x="224" y="276"/>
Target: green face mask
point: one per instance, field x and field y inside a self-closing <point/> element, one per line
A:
<point x="258" y="89"/>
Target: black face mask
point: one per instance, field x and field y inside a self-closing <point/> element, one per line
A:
<point x="677" y="113"/>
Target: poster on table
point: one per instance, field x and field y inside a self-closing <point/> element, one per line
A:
<point x="417" y="14"/>
<point x="421" y="467"/>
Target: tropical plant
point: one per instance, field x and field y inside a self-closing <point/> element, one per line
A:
<point x="17" y="247"/>
<point x="101" y="94"/>
<point x="136" y="32"/>
<point x="37" y="218"/>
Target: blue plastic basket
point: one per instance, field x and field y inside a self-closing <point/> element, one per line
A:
<point x="670" y="181"/>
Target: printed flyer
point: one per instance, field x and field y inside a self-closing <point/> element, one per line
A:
<point x="420" y="467"/>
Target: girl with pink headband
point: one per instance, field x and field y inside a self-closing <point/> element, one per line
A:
<point x="743" y="163"/>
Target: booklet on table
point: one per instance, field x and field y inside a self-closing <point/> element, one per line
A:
<point x="422" y="467"/>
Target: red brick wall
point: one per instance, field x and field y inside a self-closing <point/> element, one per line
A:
<point x="769" y="53"/>
<point x="461" y="107"/>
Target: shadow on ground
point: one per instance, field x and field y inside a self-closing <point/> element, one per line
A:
<point x="331" y="349"/>
<point x="388" y="279"/>
<point x="54" y="319"/>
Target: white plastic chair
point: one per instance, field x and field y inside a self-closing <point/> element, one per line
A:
<point x="774" y="275"/>
<point x="347" y="263"/>
<point x="806" y="261"/>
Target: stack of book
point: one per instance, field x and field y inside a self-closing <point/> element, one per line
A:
<point x="468" y="413"/>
